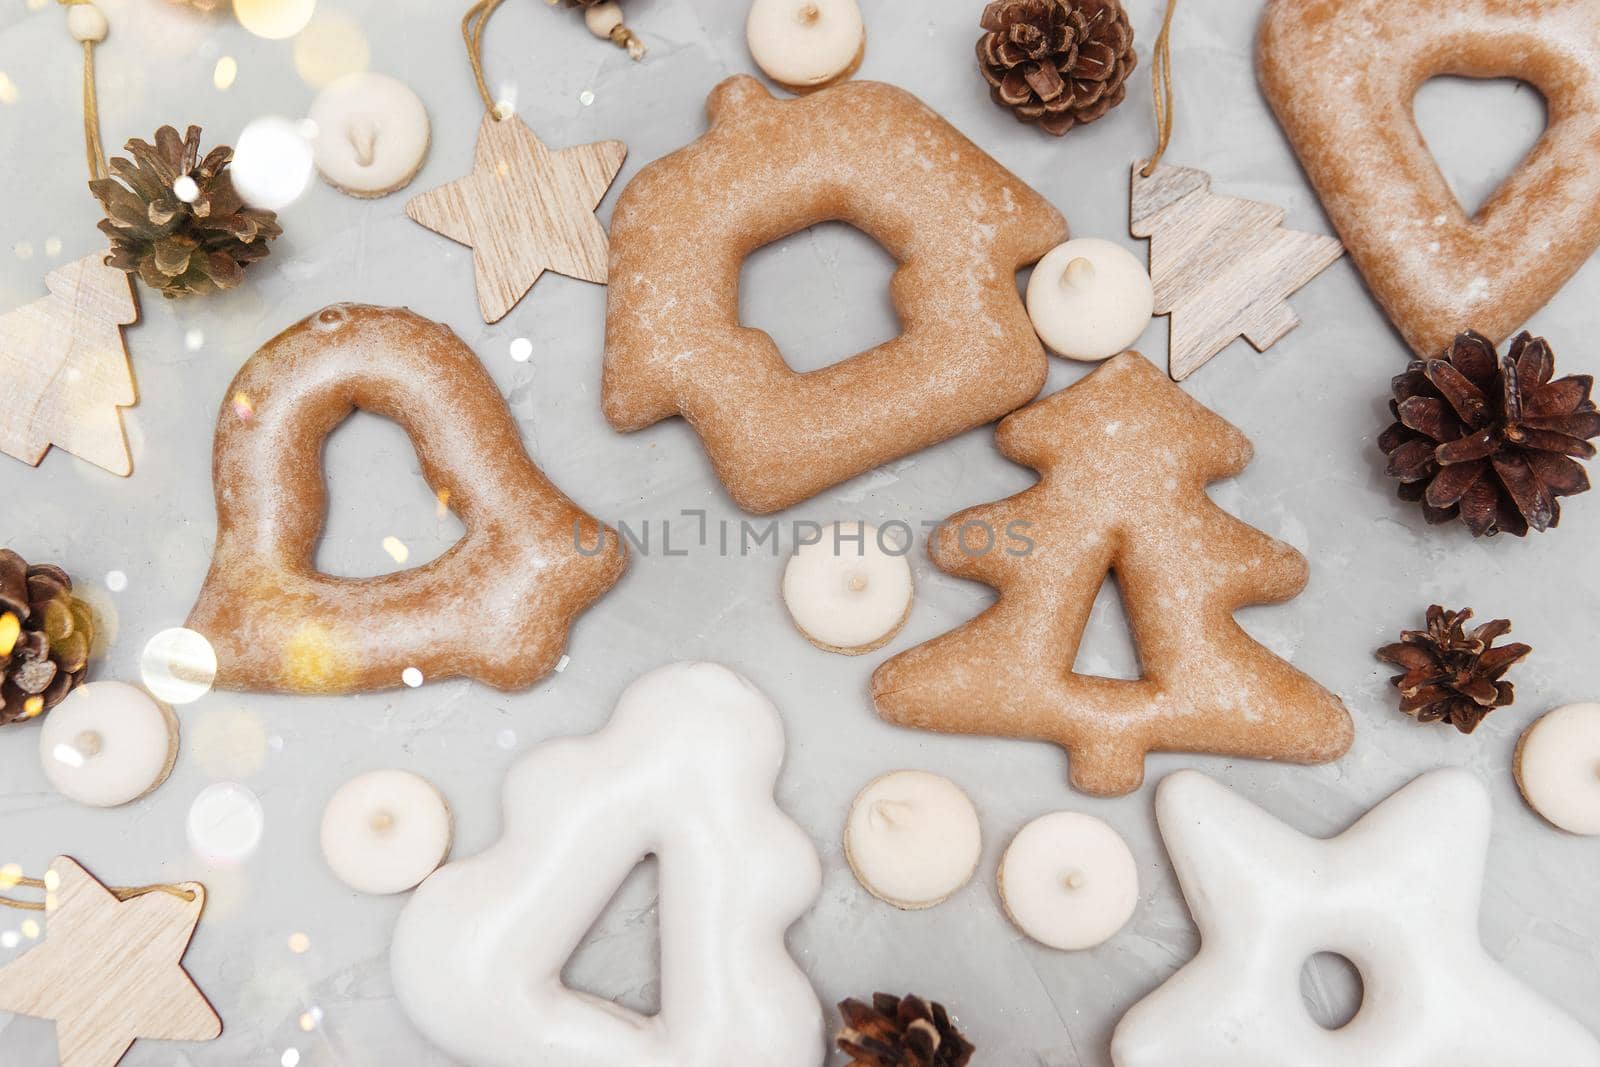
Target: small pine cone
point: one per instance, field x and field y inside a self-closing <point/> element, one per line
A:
<point x="178" y="246"/>
<point x="901" y="1032"/>
<point x="45" y="637"/>
<point x="1488" y="438"/>
<point x="1059" y="63"/>
<point x="1452" y="676"/>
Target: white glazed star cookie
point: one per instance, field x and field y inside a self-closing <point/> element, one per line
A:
<point x="1397" y="894"/>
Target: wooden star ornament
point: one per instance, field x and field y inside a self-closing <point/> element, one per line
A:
<point x="524" y="210"/>
<point x="109" y="971"/>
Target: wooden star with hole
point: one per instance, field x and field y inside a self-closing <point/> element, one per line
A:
<point x="109" y="971"/>
<point x="524" y="210"/>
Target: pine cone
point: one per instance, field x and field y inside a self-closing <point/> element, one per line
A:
<point x="1059" y="63"/>
<point x="180" y="247"/>
<point x="45" y="635"/>
<point x="901" y="1032"/>
<point x="1489" y="438"/>
<point x="1452" y="676"/>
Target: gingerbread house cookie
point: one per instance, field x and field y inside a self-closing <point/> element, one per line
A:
<point x="869" y="154"/>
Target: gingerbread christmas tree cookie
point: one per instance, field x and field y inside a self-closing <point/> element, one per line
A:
<point x="1125" y="456"/>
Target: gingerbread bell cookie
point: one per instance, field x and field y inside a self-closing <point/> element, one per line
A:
<point x="1341" y="76"/>
<point x="1125" y="456"/>
<point x="874" y="156"/>
<point x="496" y="607"/>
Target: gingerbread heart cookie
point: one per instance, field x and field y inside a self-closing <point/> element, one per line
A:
<point x="1341" y="76"/>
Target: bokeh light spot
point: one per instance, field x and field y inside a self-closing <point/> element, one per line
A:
<point x="178" y="666"/>
<point x="396" y="548"/>
<point x="274" y="19"/>
<point x="228" y="743"/>
<point x="272" y="162"/>
<point x="225" y="823"/>
<point x="332" y="46"/>
<point x="225" y="73"/>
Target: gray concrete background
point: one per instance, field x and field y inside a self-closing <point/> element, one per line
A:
<point x="1313" y="405"/>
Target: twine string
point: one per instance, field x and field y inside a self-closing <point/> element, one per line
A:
<point x="472" y="27"/>
<point x="120" y="892"/>
<point x="91" y="117"/>
<point x="93" y="150"/>
<point x="1161" y="88"/>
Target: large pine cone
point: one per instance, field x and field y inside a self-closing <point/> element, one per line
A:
<point x="901" y="1032"/>
<point x="180" y="247"/>
<point x="1059" y="63"/>
<point x="1488" y="438"/>
<point x="45" y="636"/>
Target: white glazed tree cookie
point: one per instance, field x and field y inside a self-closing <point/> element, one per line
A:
<point x="1397" y="894"/>
<point x="684" y="772"/>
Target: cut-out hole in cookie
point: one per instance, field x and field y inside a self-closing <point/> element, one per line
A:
<point x="1331" y="987"/>
<point x="1107" y="649"/>
<point x="1479" y="131"/>
<point x="822" y="295"/>
<point x="381" y="515"/>
<point x="625" y="940"/>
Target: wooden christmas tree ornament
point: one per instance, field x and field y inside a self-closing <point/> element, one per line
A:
<point x="63" y="368"/>
<point x="523" y="209"/>
<point x="1222" y="267"/>
<point x="109" y="970"/>
<point x="1124" y="458"/>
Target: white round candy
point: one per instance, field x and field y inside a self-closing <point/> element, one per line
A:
<point x="87" y="23"/>
<point x="1068" y="881"/>
<point x="108" y="743"/>
<point x="372" y="134"/>
<point x="1558" y="767"/>
<point x="912" y="839"/>
<point x="805" y="44"/>
<point x="385" y="831"/>
<point x="848" y="592"/>
<point x="1089" y="299"/>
